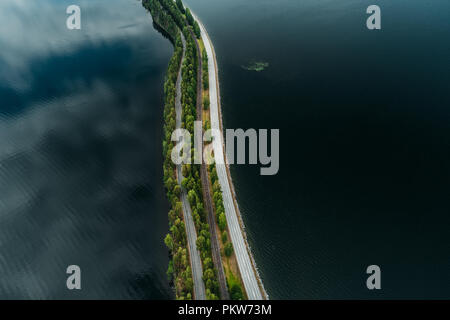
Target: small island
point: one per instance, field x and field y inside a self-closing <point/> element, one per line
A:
<point x="257" y="66"/>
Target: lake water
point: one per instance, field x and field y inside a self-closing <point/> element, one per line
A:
<point x="80" y="153"/>
<point x="364" y="119"/>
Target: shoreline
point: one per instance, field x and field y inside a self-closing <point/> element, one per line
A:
<point x="206" y="39"/>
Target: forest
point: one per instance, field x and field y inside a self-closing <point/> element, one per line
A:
<point x="169" y="16"/>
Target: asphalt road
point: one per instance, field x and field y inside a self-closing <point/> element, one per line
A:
<point x="194" y="254"/>
<point x="248" y="274"/>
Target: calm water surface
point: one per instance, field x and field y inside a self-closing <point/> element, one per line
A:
<point x="364" y="120"/>
<point x="80" y="153"/>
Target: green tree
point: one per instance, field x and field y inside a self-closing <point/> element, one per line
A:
<point x="224" y="237"/>
<point x="189" y="17"/>
<point x="186" y="169"/>
<point x="208" y="274"/>
<point x="177" y="190"/>
<point x="189" y="284"/>
<point x="180" y="6"/>
<point x="170" y="271"/>
<point x="179" y="208"/>
<point x="222" y="222"/>
<point x="228" y="249"/>
<point x="196" y="29"/>
<point x="201" y="242"/>
<point x="207" y="264"/>
<point x="169" y="242"/>
<point x="170" y="183"/>
<point x="236" y="292"/>
<point x="185" y="183"/>
<point x="192" y="197"/>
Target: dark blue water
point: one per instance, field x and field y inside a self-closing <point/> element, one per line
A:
<point x="364" y="119"/>
<point x="80" y="152"/>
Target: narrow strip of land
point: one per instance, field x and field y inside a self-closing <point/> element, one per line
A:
<point x="248" y="271"/>
<point x="191" y="233"/>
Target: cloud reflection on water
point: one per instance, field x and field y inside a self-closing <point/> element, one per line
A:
<point x="80" y="179"/>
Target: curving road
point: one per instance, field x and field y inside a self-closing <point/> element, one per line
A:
<point x="247" y="270"/>
<point x="194" y="254"/>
